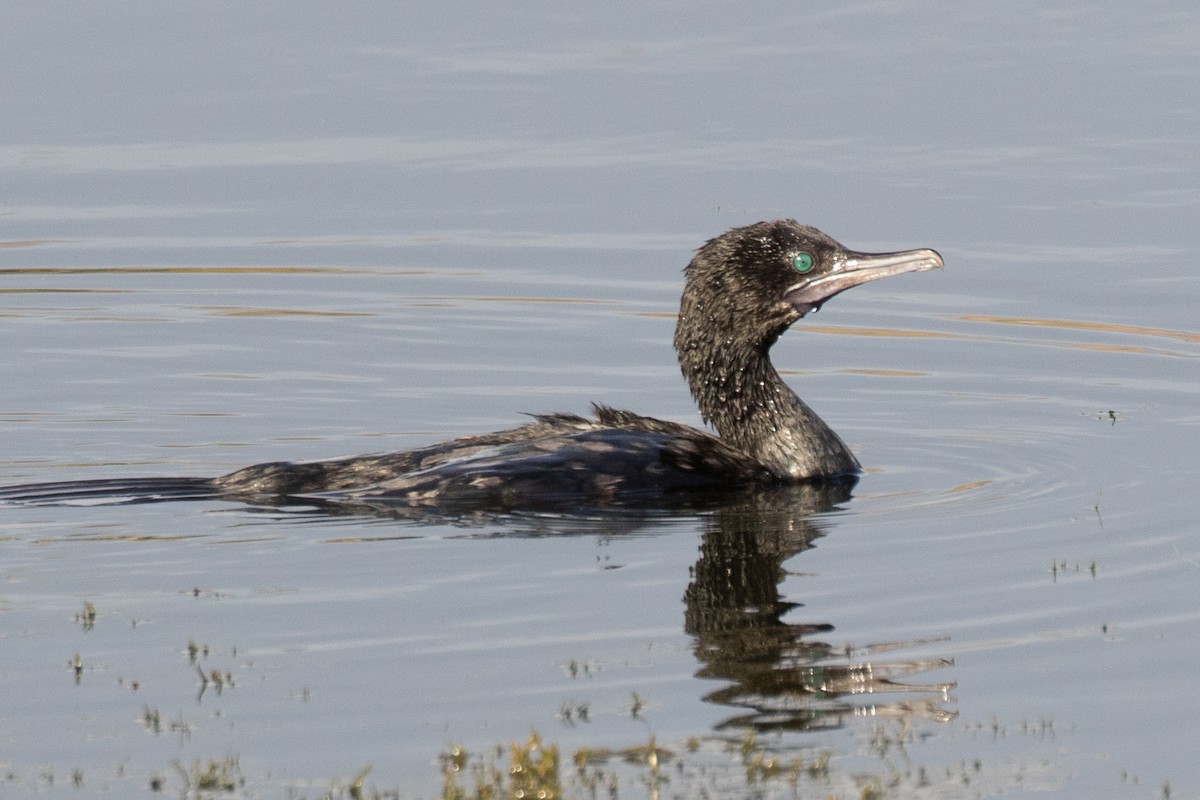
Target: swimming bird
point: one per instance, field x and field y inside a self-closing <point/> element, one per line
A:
<point x="742" y="290"/>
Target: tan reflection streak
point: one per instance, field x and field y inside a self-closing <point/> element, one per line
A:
<point x="28" y="242"/>
<point x="1120" y="348"/>
<point x="891" y="333"/>
<point x="529" y="300"/>
<point x="1071" y="324"/>
<point x="451" y="301"/>
<point x="64" y="291"/>
<point x="966" y="487"/>
<point x="968" y="337"/>
<point x="121" y="537"/>
<point x="204" y="271"/>
<point x="238" y="311"/>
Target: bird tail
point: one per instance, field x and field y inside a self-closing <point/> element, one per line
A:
<point x="112" y="491"/>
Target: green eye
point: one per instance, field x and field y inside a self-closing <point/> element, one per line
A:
<point x="802" y="263"/>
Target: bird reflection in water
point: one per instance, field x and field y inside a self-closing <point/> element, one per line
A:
<point x="780" y="673"/>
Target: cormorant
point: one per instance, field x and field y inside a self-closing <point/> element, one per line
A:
<point x="743" y="289"/>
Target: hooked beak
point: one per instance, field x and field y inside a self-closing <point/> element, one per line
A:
<point x="852" y="269"/>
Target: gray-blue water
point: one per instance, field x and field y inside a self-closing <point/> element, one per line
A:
<point x="232" y="234"/>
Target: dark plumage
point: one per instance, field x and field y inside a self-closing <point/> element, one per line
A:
<point x="743" y="290"/>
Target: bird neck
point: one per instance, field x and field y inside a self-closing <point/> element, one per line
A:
<point x="741" y="394"/>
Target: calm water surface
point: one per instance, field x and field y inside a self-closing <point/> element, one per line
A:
<point x="230" y="237"/>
